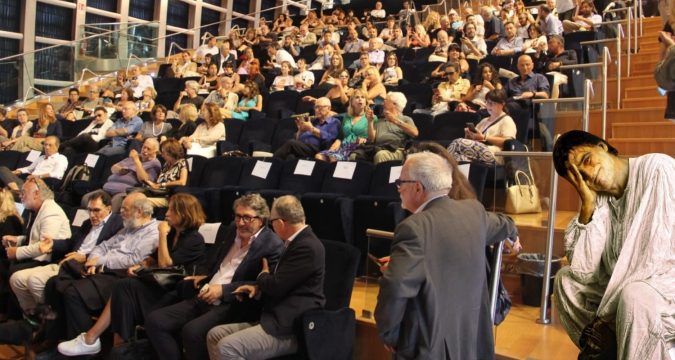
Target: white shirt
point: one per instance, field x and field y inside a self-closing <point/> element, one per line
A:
<point x="292" y="237"/>
<point x="378" y="13"/>
<point x="283" y="55"/>
<point x="205" y="49"/>
<point x="55" y="166"/>
<point x="232" y="261"/>
<point x="424" y="204"/>
<point x="144" y="82"/>
<point x="89" y="241"/>
<point x="100" y="134"/>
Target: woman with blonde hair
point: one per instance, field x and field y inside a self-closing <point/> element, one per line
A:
<point x="203" y="141"/>
<point x="187" y="116"/>
<point x="46" y="125"/>
<point x="354" y="129"/>
<point x="11" y="222"/>
<point x="418" y="37"/>
<point x="372" y="86"/>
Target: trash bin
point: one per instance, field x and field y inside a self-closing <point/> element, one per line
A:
<point x="531" y="269"/>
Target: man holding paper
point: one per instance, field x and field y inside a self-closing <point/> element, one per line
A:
<point x="49" y="165"/>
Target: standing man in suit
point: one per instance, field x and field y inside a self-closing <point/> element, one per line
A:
<point x="433" y="300"/>
<point x="28" y="285"/>
<point x="287" y="290"/>
<point x="238" y="260"/>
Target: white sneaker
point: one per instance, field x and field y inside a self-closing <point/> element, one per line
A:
<point x="78" y="346"/>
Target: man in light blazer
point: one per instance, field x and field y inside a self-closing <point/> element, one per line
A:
<point x="433" y="300"/>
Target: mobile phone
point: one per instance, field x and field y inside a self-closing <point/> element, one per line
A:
<point x="374" y="259"/>
<point x="471" y="126"/>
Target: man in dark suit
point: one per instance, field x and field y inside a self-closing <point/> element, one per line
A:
<point x="433" y="300"/>
<point x="287" y="290"/>
<point x="238" y="260"/>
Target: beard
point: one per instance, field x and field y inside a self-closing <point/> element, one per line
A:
<point x="131" y="223"/>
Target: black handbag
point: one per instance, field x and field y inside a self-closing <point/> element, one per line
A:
<point x="150" y="192"/>
<point x="134" y="349"/>
<point x="166" y="278"/>
<point x="597" y="341"/>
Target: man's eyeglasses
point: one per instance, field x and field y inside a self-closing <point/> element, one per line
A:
<point x="449" y="73"/>
<point x="400" y="182"/>
<point x="245" y="218"/>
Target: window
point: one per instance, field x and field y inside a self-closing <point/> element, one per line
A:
<point x="180" y="39"/>
<point x="177" y="14"/>
<point x="209" y="17"/>
<point x="54" y="64"/>
<point x="54" y="21"/>
<point x="9" y="71"/>
<point x="106" y="5"/>
<point x="142" y="9"/>
<point x="10" y="13"/>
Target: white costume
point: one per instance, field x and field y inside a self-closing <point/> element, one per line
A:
<point x="622" y="263"/>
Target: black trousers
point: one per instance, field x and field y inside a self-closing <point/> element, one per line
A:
<point x="191" y="320"/>
<point x="131" y="301"/>
<point x="81" y="144"/>
<point x="296" y="149"/>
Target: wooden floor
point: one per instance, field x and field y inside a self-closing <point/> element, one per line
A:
<point x="518" y="337"/>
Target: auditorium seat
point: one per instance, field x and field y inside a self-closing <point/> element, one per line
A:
<point x="280" y="104"/>
<point x="418" y="96"/>
<point x="70" y="129"/>
<point x="291" y="183"/>
<point x="253" y="177"/>
<point x="424" y="123"/>
<point x="307" y="106"/>
<point x="233" y="129"/>
<point x="450" y="126"/>
<point x="285" y="130"/>
<point x="257" y="134"/>
<point x="10" y="159"/>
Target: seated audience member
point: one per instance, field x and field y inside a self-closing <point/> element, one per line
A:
<point x="510" y="44"/>
<point x="523" y="25"/>
<point x="118" y="83"/>
<point x="21" y="129"/>
<point x="585" y="19"/>
<point x="392" y="73"/>
<point x="93" y="99"/>
<point x="494" y="28"/>
<point x="46" y="222"/>
<point x="338" y="94"/>
<point x="225" y="97"/>
<point x="375" y="53"/>
<point x="619" y="284"/>
<point x="72" y="103"/>
<point x="174" y="173"/>
<point x="138" y="82"/>
<point x="250" y="100"/>
<point x="180" y="244"/>
<point x="313" y="135"/>
<point x="227" y="55"/>
<point x="286" y="291"/>
<point x="388" y="31"/>
<point x="284" y="79"/>
<point x="304" y="36"/>
<point x="130" y="172"/>
<point x="255" y="75"/>
<point x="11" y="222"/>
<point x="387" y="135"/>
<point x="553" y="59"/>
<point x="333" y="71"/>
<point x="353" y="44"/>
<point x="209" y="81"/>
<point x="125" y="96"/>
<point x="3" y="130"/>
<point x="425" y="181"/>
<point x="449" y="93"/>
<point x="354" y="129"/>
<point x="183" y="66"/>
<point x="147" y="102"/>
<point x="210" y="47"/>
<point x="46" y="125"/>
<point x="304" y="79"/>
<point x="126" y="126"/>
<point x="548" y="22"/>
<point x="187" y="116"/>
<point x="203" y="141"/>
<point x="473" y="46"/>
<point x="486" y="81"/>
<point x="488" y="136"/>
<point x="418" y="37"/>
<point x="29" y="284"/>
<point x="156" y="127"/>
<point x="49" y="165"/>
<point x="278" y="56"/>
<point x="378" y="13"/>
<point x="290" y="46"/>
<point x="440" y="53"/>
<point x="107" y="264"/>
<point x="372" y="86"/>
<point x="228" y="71"/>
<point x="237" y="260"/>
<point x="477" y="21"/>
<point x="87" y="141"/>
<point x="537" y="42"/>
<point x="526" y="86"/>
<point x="265" y="37"/>
<point x="398" y="40"/>
<point x="189" y="96"/>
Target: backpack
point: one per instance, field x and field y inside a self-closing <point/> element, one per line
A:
<point x="77" y="172"/>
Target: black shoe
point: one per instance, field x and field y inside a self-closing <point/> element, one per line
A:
<point x="16" y="332"/>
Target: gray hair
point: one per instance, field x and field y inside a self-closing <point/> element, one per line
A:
<point x="431" y="170"/>
<point x="289" y="209"/>
<point x="45" y="192"/>
<point x="255" y="202"/>
<point x="143" y="204"/>
<point x="398" y="99"/>
<point x="192" y="85"/>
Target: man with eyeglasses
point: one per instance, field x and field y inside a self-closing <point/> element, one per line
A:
<point x="433" y="300"/>
<point x="238" y="259"/>
<point x="313" y="135"/>
<point x="29" y="284"/>
<point x="123" y="129"/>
<point x="87" y="141"/>
<point x="51" y="164"/>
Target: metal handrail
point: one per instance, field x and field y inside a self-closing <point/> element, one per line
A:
<point x="34" y="89"/>
<point x="585" y="100"/>
<point x="87" y="70"/>
<point x="73" y="42"/>
<point x="618" y="63"/>
<point x="168" y="55"/>
<point x="380" y="234"/>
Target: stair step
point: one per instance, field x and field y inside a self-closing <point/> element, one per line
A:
<point x="636" y="146"/>
<point x="639" y="91"/>
<point x="644" y="102"/>
<point x="649" y="130"/>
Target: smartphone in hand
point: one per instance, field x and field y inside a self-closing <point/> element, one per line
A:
<point x="471" y="126"/>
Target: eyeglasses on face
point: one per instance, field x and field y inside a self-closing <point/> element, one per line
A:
<point x="245" y="218"/>
<point x="400" y="182"/>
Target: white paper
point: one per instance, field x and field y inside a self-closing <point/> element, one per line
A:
<point x="33" y="155"/>
<point x="209" y="232"/>
<point x="344" y="170"/>
<point x="304" y="167"/>
<point x="395" y="173"/>
<point x="80" y="217"/>
<point x="189" y="161"/>
<point x="91" y="160"/>
<point x="464" y="169"/>
<point x="261" y="169"/>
